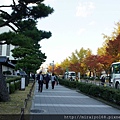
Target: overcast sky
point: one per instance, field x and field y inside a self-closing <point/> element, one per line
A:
<point x="76" y="24"/>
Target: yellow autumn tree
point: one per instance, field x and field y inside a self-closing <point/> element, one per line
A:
<point x="115" y="33"/>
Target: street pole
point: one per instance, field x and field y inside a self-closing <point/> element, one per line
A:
<point x="53" y="66"/>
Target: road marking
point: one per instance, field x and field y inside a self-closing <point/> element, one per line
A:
<point x="50" y="91"/>
<point x="72" y="105"/>
<point x="61" y="96"/>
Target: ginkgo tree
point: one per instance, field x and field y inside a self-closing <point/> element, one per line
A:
<point x="65" y="64"/>
<point x="75" y="62"/>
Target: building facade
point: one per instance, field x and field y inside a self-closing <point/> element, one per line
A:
<point x="5" y="52"/>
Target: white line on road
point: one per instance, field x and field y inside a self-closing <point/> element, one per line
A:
<point x="68" y="91"/>
<point x="71" y="105"/>
<point x="61" y="96"/>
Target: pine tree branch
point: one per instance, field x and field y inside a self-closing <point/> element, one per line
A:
<point x="8" y="21"/>
<point x="12" y="28"/>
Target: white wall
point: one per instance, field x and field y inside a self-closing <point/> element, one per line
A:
<point x="11" y="57"/>
<point x="4" y="50"/>
<point x="5" y="68"/>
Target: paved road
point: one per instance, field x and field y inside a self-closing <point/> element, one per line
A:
<point x="64" y="101"/>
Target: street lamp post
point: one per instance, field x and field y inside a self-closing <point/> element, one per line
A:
<point x="53" y="66"/>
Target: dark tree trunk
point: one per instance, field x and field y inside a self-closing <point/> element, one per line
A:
<point x="4" y="95"/>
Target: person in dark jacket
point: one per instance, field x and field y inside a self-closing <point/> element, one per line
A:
<point x="103" y="80"/>
<point x="47" y="79"/>
<point x="40" y="81"/>
<point x="53" y="79"/>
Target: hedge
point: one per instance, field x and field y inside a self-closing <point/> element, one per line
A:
<point x="106" y="93"/>
<point x="14" y="84"/>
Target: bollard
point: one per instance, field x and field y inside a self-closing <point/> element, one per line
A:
<point x="22" y="114"/>
<point x="28" y="96"/>
<point x="25" y="103"/>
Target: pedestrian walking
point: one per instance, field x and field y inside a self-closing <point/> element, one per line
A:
<point x="103" y="80"/>
<point x="71" y="79"/>
<point x="40" y="81"/>
<point x="47" y="79"/>
<point x="77" y="78"/>
<point x="53" y="79"/>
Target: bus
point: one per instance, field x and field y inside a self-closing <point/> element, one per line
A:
<point x="114" y="76"/>
<point x="69" y="74"/>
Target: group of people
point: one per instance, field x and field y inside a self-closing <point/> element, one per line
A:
<point x="45" y="79"/>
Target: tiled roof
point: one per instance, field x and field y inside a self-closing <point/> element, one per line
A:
<point x="5" y="61"/>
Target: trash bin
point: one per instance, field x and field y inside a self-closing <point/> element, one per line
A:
<point x="23" y="79"/>
<point x="23" y="83"/>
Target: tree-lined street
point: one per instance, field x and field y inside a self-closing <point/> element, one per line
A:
<point x="24" y="35"/>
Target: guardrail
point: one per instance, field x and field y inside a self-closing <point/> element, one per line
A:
<point x="25" y="102"/>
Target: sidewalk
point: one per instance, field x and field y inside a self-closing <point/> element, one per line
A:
<point x="62" y="100"/>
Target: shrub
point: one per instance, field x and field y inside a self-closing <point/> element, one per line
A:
<point x="117" y="98"/>
<point x="17" y="85"/>
<point x="12" y="88"/>
<point x="106" y="93"/>
<point x="7" y="72"/>
<point x="72" y="84"/>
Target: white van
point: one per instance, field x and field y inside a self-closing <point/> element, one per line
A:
<point x="70" y="74"/>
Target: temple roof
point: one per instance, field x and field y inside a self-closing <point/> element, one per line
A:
<point x="5" y="61"/>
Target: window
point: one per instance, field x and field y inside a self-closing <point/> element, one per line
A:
<point x="72" y="74"/>
<point x="116" y="68"/>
